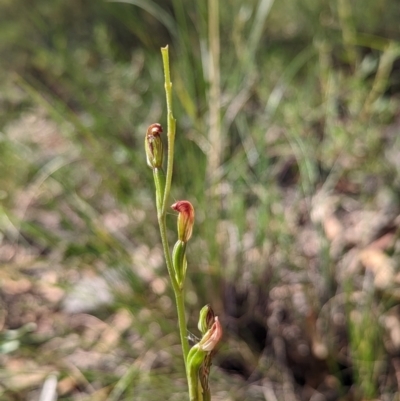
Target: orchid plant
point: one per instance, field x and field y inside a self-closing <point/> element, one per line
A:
<point x="198" y="358"/>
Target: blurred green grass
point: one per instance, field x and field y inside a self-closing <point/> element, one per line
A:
<point x="308" y="99"/>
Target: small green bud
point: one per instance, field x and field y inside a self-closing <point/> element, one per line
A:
<point x="196" y="357"/>
<point x="179" y="262"/>
<point x="206" y="319"/>
<point x="154" y="146"/>
<point x="185" y="219"/>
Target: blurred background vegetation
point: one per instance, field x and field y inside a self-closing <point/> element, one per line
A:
<point x="288" y="145"/>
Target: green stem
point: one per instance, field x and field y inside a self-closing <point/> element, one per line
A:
<point x="163" y="187"/>
<point x="180" y="304"/>
<point x="171" y="124"/>
<point x="193" y="385"/>
<point x="159" y="181"/>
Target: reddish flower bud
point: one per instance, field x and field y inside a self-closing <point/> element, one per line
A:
<point x="212" y="337"/>
<point x="154" y="146"/>
<point x="185" y="219"/>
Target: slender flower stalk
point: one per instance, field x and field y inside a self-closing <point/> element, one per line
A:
<point x="198" y="359"/>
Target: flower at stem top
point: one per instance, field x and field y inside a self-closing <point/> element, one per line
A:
<point x="154" y="146"/>
<point x="185" y="219"/>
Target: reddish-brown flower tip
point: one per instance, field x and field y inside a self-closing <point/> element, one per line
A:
<point x="154" y="129"/>
<point x="184" y="207"/>
<point x="154" y="146"/>
<point x="185" y="219"/>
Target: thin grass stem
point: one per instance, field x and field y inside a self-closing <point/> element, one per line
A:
<point x="161" y="208"/>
